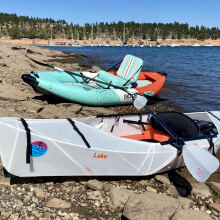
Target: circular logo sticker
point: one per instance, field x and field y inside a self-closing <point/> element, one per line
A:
<point x="39" y="148"/>
<point x="149" y="93"/>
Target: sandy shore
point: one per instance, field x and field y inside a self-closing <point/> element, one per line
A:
<point x="86" y="198"/>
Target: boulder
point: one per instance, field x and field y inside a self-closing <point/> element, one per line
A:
<point x="215" y="207"/>
<point x="176" y="191"/>
<point x="162" y="179"/>
<point x="185" y="203"/>
<point x="191" y="214"/>
<point x="201" y="189"/>
<point x="6" y="181"/>
<point x="215" y="187"/>
<point x="150" y="205"/>
<point x="119" y="197"/>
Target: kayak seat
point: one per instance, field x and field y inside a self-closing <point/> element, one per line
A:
<point x="149" y="134"/>
<point x="181" y="124"/>
<point x="129" y="70"/>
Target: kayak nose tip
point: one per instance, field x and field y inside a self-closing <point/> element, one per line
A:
<point x="30" y="79"/>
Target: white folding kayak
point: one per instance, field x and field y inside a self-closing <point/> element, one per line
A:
<point x="105" y="145"/>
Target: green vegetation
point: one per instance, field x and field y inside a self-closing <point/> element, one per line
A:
<point x="18" y="27"/>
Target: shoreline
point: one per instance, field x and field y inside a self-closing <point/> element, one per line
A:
<point x="167" y="42"/>
<point x="83" y="198"/>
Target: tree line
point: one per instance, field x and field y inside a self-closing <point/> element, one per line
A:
<point x="18" y="27"/>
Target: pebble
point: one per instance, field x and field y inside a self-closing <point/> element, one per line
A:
<point x="208" y="212"/>
<point x="150" y="189"/>
<point x="95" y="185"/>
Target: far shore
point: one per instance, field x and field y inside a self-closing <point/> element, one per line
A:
<point x="167" y="42"/>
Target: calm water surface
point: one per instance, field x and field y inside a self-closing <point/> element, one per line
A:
<point x="193" y="81"/>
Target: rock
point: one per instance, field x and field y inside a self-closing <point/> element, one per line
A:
<point x="119" y="197"/>
<point x="47" y="216"/>
<point x="14" y="216"/>
<point x="96" y="68"/>
<point x="94" y="195"/>
<point x="3" y="64"/>
<point x="191" y="214"/>
<point x="39" y="193"/>
<point x="208" y="212"/>
<point x="6" y="181"/>
<point x="177" y="191"/>
<point x="107" y="187"/>
<point x="95" y="185"/>
<point x="17" y="48"/>
<point x="215" y="187"/>
<point x="150" y="189"/>
<point x="83" y="204"/>
<point x="162" y="179"/>
<point x="57" y="203"/>
<point x="151" y="206"/>
<point x="201" y="189"/>
<point x="215" y="206"/>
<point x="30" y="51"/>
<point x="143" y="182"/>
<point x="185" y="203"/>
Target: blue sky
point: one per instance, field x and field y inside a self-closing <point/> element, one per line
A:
<point x="193" y="12"/>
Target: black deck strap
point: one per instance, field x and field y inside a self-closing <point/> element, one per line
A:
<point x="78" y="131"/>
<point x="29" y="145"/>
<point x="212" y="146"/>
<point x="214" y="115"/>
<point x="135" y="122"/>
<point x="140" y="120"/>
<point x="114" y="67"/>
<point x="109" y="85"/>
<point x="116" y="121"/>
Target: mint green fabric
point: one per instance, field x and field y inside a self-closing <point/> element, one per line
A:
<point x="109" y="78"/>
<point x="63" y="85"/>
<point x="130" y="67"/>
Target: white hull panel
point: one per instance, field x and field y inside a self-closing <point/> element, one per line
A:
<point x="63" y="152"/>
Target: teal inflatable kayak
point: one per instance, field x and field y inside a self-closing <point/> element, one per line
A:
<point x="98" y="88"/>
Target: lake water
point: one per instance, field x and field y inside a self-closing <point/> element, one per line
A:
<point x="193" y="81"/>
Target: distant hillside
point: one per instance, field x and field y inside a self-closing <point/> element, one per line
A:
<point x="18" y="27"/>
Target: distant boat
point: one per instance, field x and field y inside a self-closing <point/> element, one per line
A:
<point x="152" y="45"/>
<point x="208" y="45"/>
<point x="195" y="45"/>
<point x="174" y="45"/>
<point x="159" y="45"/>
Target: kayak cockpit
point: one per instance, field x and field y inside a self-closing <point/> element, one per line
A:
<point x="142" y="127"/>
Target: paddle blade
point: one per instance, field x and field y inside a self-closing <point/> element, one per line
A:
<point x="154" y="98"/>
<point x="140" y="102"/>
<point x="200" y="163"/>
